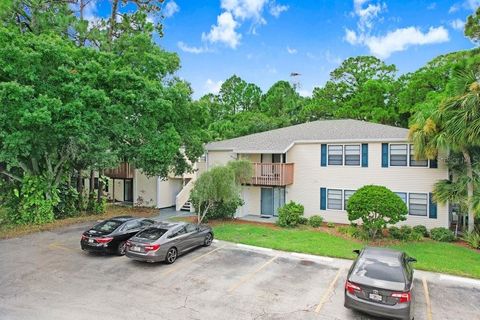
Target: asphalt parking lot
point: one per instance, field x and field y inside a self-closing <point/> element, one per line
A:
<point x="46" y="276"/>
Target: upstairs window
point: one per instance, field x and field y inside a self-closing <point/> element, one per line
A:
<point x="398" y="155"/>
<point x="416" y="163"/>
<point x="352" y="155"/>
<point x="335" y="155"/>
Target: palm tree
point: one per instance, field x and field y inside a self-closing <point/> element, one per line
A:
<point x="453" y="128"/>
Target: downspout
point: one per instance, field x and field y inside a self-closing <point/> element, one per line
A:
<point x="158" y="192"/>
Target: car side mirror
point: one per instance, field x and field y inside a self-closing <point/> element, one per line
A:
<point x="411" y="259"/>
<point x="356" y="251"/>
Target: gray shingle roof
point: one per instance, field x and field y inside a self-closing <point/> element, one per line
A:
<point x="322" y="131"/>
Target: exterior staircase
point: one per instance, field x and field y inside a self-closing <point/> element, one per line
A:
<point x="187" y="206"/>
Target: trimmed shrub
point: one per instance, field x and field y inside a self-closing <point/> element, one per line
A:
<point x="473" y="239"/>
<point x="377" y="207"/>
<point x="223" y="210"/>
<point x="303" y="220"/>
<point x="331" y="225"/>
<point x="290" y="214"/>
<point x="442" y="234"/>
<point x="421" y="230"/>
<point x="315" y="221"/>
<point x="405" y="233"/>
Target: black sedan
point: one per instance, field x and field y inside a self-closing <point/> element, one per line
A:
<point x="110" y="236"/>
<point x="380" y="283"/>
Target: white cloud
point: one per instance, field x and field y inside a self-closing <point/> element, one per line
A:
<point x="472" y="4"/>
<point x="224" y="31"/>
<point x="432" y="6"/>
<point x="457" y="24"/>
<point x="234" y="14"/>
<point x="291" y="50"/>
<point x="277" y="9"/>
<point x="454" y="8"/>
<point x="403" y="38"/>
<point x="367" y="14"/>
<point x="170" y="9"/>
<point x="351" y="36"/>
<point x="213" y="86"/>
<point x="383" y="46"/>
<point x="191" y="49"/>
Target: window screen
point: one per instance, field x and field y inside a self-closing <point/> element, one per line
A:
<point x="418" y="204"/>
<point x="335" y="155"/>
<point x="352" y="155"/>
<point x="416" y="163"/>
<point x="334" y="199"/>
<point x="398" y="155"/>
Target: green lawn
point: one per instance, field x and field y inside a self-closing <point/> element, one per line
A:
<point x="431" y="255"/>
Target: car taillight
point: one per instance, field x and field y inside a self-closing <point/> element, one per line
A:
<point x="403" y="297"/>
<point x="351" y="288"/>
<point x="103" y="240"/>
<point x="151" y="247"/>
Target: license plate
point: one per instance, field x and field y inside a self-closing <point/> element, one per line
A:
<point x="375" y="297"/>
<point x="137" y="249"/>
<point x="90" y="240"/>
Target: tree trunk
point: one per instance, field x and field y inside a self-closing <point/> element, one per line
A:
<point x="79" y="182"/>
<point x="100" y="186"/>
<point x="113" y="20"/>
<point x="91" y="182"/>
<point x="471" y="214"/>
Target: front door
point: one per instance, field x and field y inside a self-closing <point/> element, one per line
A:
<point x="128" y="190"/>
<point x="267" y="202"/>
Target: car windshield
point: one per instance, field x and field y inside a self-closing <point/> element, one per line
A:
<point x="151" y="233"/>
<point x="380" y="269"/>
<point x="107" y="226"/>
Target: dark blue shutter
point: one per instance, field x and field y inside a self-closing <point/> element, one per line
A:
<point x="385" y="155"/>
<point x="364" y="154"/>
<point x="432" y="214"/>
<point x="323" y="156"/>
<point x="323" y="198"/>
<point x="434" y="163"/>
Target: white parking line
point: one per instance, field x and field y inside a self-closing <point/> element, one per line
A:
<point x="329" y="291"/>
<point x="181" y="266"/>
<point x="427" y="299"/>
<point x="246" y="246"/>
<point x="310" y="257"/>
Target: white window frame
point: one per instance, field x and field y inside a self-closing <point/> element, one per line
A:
<point x="341" y="199"/>
<point x="427" y="208"/>
<point x="345" y="198"/>
<point x="359" y="155"/>
<point x="406" y="154"/>
<point x="410" y="160"/>
<point x="344" y="155"/>
<point x="406" y="197"/>
<point x="328" y="154"/>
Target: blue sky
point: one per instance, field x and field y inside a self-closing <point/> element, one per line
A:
<point x="263" y="41"/>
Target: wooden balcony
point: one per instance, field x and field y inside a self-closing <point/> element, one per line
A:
<point x="272" y="174"/>
<point x="123" y="171"/>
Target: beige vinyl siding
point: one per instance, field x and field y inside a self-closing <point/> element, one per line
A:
<point x="145" y="190"/>
<point x="251" y="196"/>
<point x="219" y="158"/>
<point x="309" y="177"/>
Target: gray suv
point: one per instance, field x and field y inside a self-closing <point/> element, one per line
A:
<point x="166" y="241"/>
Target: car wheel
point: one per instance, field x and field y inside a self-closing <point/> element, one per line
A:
<point x="122" y="248"/>
<point x="171" y="255"/>
<point x="208" y="240"/>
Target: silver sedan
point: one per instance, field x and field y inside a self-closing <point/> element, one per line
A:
<point x="166" y="241"/>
